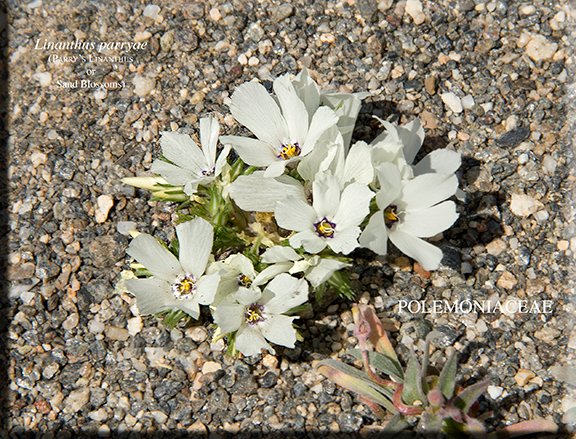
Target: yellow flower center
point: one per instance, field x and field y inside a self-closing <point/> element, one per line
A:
<point x="184" y="287"/>
<point x="244" y="281"/>
<point x="254" y="314"/>
<point x="390" y="216"/>
<point x="289" y="150"/>
<point x="325" y="228"/>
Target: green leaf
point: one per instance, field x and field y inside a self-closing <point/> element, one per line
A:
<point x="470" y="395"/>
<point x="447" y="379"/>
<point x="382" y="364"/>
<point x="352" y="379"/>
<point x="396" y="424"/>
<point x="413" y="383"/>
<point x="341" y="283"/>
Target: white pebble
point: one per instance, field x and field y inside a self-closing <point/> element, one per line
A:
<point x="539" y="48"/>
<point x="452" y="101"/>
<point x="100" y="93"/>
<point x="103" y="205"/>
<point x="38" y="158"/>
<point x="44" y="78"/>
<point x="414" y="9"/>
<point x="549" y="165"/>
<point x="210" y="367"/>
<point x="125" y="227"/>
<point x="524" y="205"/>
<point x="467" y="102"/>
<point x="135" y="325"/>
<point x="495" y="391"/>
<point x="143" y="85"/>
<point x="151" y="11"/>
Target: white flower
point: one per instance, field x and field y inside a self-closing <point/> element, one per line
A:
<point x="345" y="105"/>
<point x="285" y="133"/>
<point x="191" y="166"/>
<point x="409" y="211"/>
<point x="333" y="218"/>
<point x="256" y="193"/>
<point x="355" y="165"/>
<point x="316" y="270"/>
<point x="257" y="316"/>
<point x="176" y="283"/>
<point x="400" y="144"/>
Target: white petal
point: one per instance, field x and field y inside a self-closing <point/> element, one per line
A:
<point x="275" y="169"/>
<point x="206" y="288"/>
<point x="252" y="151"/>
<point x="441" y="161"/>
<point x="311" y="242"/>
<point x="412" y="137"/>
<point x="173" y="174"/>
<point x="195" y="241"/>
<point x="221" y="161"/>
<point x="250" y="341"/>
<point x="229" y="316"/>
<point x="271" y="272"/>
<point x="155" y="257"/>
<point x="344" y="241"/>
<point x="354" y="205"/>
<point x="307" y="91"/>
<point x="283" y="293"/>
<point x="152" y="295"/>
<point x="428" y="189"/>
<point x="241" y="265"/>
<point x="293" y="109"/>
<point x="375" y="235"/>
<point x="279" y="330"/>
<point x="390" y="184"/>
<point x="324" y="270"/>
<point x="425" y="253"/>
<point x="181" y="150"/>
<point x="430" y="221"/>
<point x="247" y="296"/>
<point x="294" y="214"/>
<point x="322" y="156"/>
<point x="279" y="253"/>
<point x="209" y="130"/>
<point x="347" y="107"/>
<point x="256" y="193"/>
<point x="323" y="119"/>
<point x="325" y="195"/>
<point x="254" y="108"/>
<point x="358" y="166"/>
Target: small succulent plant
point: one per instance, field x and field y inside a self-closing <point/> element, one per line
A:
<point x="430" y="403"/>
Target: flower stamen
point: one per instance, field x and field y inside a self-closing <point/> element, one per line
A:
<point x="289" y="150"/>
<point x="184" y="287"/>
<point x="254" y="314"/>
<point x="390" y="216"/>
<point x="325" y="228"/>
<point x="244" y="281"/>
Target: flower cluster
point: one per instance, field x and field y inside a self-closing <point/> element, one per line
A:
<point x="261" y="227"/>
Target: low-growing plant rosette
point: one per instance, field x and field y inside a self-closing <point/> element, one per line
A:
<point x="267" y="224"/>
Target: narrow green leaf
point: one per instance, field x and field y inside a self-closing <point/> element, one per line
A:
<point x="352" y="379"/>
<point x="382" y="364"/>
<point x="396" y="424"/>
<point x="447" y="379"/>
<point x="341" y="283"/>
<point x="412" y="383"/>
<point x="469" y="395"/>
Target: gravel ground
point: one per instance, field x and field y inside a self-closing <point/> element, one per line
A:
<point x="489" y="79"/>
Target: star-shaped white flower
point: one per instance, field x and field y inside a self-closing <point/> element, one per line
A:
<point x="409" y="210"/>
<point x="400" y="144"/>
<point x="176" y="283"/>
<point x="258" y="317"/>
<point x="333" y="219"/>
<point x="283" y="129"/>
<point x="191" y="166"/>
